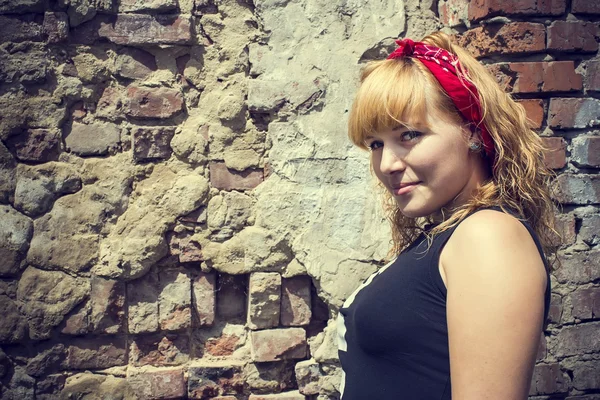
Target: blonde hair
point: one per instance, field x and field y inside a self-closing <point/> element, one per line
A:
<point x="395" y="91"/>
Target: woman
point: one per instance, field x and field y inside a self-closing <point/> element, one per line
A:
<point x="460" y="310"/>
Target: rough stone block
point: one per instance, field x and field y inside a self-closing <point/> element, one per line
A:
<point x="111" y="103"/>
<point x="143" y="5"/>
<point x="158" y="384"/>
<point x="204" y="296"/>
<point x="56" y="27"/>
<point x="511" y="38"/>
<point x="579" y="267"/>
<point x="586" y="376"/>
<point x="567" y="113"/>
<point x="556" y="309"/>
<point x="224" y="345"/>
<point x="141" y="29"/>
<point x="146" y="102"/>
<point x="14" y="325"/>
<point x="585" y="151"/>
<point x="296" y="301"/>
<point x="151" y="143"/>
<point x="270" y="377"/>
<point x="47" y="297"/>
<point x="21" y="6"/>
<point x="231" y="296"/>
<point x="78" y="322"/>
<point x="93" y="139"/>
<point x="107" y="305"/>
<point x="555" y="155"/>
<point x="159" y="350"/>
<point x="135" y="63"/>
<point x="264" y="300"/>
<point x="175" y="300"/>
<point x="557" y="76"/>
<point x="224" y="178"/>
<point x="96" y="353"/>
<point x="184" y="247"/>
<point x="578" y="339"/>
<point x="565" y="225"/>
<point x="47" y="361"/>
<point x="534" y="109"/>
<point x="294" y="395"/>
<point x="548" y="379"/>
<point x="212" y="380"/>
<point x="308" y="373"/>
<point x="16" y="231"/>
<point x="589" y="231"/>
<point x="573" y="36"/>
<point x="20" y="28"/>
<point x="143" y="304"/>
<point x="36" y="145"/>
<point x="592" y="75"/>
<point x="278" y="344"/>
<point x="453" y="12"/>
<point x="578" y="189"/>
<point x="8" y="174"/>
<point x="586" y="303"/>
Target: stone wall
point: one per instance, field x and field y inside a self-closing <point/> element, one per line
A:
<point x="182" y="214"/>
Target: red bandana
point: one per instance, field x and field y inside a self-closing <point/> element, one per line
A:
<point x="464" y="95"/>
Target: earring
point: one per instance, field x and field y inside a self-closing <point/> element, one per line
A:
<point x="474" y="146"/>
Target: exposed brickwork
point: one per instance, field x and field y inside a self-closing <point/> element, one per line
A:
<point x="585" y="7"/>
<point x="573" y="36"/>
<point x="535" y="112"/>
<point x="555" y="155"/>
<point x="278" y="344"/>
<point x="512" y="38"/>
<point x="479" y="9"/>
<point x="564" y="113"/>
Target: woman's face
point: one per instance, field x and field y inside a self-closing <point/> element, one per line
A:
<point x="426" y="167"/>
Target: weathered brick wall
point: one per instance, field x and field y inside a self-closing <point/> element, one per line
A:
<point x="546" y="54"/>
<point x="182" y="213"/>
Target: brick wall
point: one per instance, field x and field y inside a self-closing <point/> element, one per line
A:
<point x="546" y="54"/>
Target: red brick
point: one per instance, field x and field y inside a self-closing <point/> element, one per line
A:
<point x="107" y="300"/>
<point x="184" y="247"/>
<point x="96" y="353"/>
<point x="573" y="113"/>
<point x="224" y="345"/>
<point x="555" y="156"/>
<point x="586" y="303"/>
<point x="579" y="267"/>
<point x="586" y="375"/>
<point x="264" y="296"/>
<point x="592" y="75"/>
<point x="278" y="344"/>
<point x="534" y="77"/>
<point x="142" y="29"/>
<point x="295" y="395"/>
<point x="573" y="36"/>
<point x="585" y="151"/>
<point x="224" y="178"/>
<point x="589" y="231"/>
<point x="159" y="350"/>
<point x="578" y="189"/>
<point x="36" y="145"/>
<point x="565" y="225"/>
<point x="534" y="108"/>
<point x="578" y="339"/>
<point x="511" y="38"/>
<point x="479" y="9"/>
<point x="148" y="102"/>
<point x="56" y="27"/>
<point x="548" y="379"/>
<point x="296" y="301"/>
<point x="175" y="300"/>
<point x="159" y="384"/>
<point x="203" y="299"/>
<point x="585" y="7"/>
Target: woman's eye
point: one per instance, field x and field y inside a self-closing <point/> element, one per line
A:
<point x="410" y="135"/>
<point x="374" y="145"/>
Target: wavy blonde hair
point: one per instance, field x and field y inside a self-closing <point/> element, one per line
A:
<point x="395" y="91"/>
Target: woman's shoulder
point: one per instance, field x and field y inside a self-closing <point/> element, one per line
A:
<point x="492" y="240"/>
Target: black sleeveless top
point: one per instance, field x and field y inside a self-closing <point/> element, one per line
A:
<point x="392" y="332"/>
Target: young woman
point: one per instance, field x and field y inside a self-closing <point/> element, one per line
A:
<point x="460" y="310"/>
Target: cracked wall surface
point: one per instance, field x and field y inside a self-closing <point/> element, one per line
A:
<point x="182" y="213"/>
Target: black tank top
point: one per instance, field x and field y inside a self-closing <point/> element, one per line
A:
<point x="392" y="332"/>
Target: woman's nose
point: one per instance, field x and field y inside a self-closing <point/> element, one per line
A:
<point x="391" y="161"/>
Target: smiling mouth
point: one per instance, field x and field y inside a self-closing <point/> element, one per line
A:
<point x="404" y="188"/>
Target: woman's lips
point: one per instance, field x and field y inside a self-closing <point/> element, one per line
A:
<point x="404" y="188"/>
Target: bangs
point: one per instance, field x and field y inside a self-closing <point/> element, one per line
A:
<point x="392" y="93"/>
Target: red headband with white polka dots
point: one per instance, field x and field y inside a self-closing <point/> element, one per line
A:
<point x="444" y="67"/>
